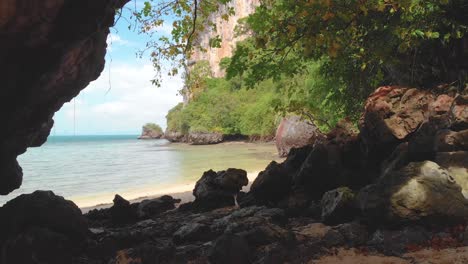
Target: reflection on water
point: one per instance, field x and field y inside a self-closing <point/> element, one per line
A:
<point x="91" y="166"/>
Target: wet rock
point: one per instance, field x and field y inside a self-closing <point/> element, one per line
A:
<point x="217" y="189"/>
<point x="294" y="132"/>
<point x="338" y="206"/>
<point x="199" y="138"/>
<point x="122" y="212"/>
<point x="419" y="192"/>
<point x="230" y="249"/>
<point x="149" y="208"/>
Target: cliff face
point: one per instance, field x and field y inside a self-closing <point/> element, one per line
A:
<point x="225" y="29"/>
<point x="49" y="51"/>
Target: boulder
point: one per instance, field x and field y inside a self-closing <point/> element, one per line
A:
<point x="218" y="189"/>
<point x="419" y="192"/>
<point x="151" y="207"/>
<point x="338" y="206"/>
<point x="192" y="232"/>
<point x="295" y="132"/>
<point x="122" y="212"/>
<point x="272" y="184"/>
<point x="230" y="249"/>
<point x="41" y="228"/>
<point x="457" y="165"/>
<point x="46" y="210"/>
<point x="202" y="138"/>
<point x="391" y="115"/>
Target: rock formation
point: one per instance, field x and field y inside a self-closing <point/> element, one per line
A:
<point x="50" y="51"/>
<point x="294" y="132"/>
<point x="151" y="131"/>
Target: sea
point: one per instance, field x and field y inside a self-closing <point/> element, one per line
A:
<point x="90" y="170"/>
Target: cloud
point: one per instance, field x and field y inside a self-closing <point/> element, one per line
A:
<point x="121" y="105"/>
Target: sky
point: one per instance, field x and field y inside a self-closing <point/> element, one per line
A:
<point x="122" y="99"/>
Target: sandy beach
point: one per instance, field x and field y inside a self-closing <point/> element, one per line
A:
<point x="182" y="192"/>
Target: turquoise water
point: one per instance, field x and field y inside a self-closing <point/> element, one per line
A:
<point x="91" y="169"/>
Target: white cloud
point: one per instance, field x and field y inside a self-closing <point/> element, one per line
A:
<point x="124" y="105"/>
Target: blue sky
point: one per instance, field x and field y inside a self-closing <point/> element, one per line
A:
<point x="122" y="99"/>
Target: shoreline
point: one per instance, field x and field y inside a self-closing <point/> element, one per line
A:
<point x="181" y="191"/>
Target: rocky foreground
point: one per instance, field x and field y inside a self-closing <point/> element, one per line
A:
<point x="393" y="193"/>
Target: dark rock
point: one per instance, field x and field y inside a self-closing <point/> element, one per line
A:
<point x="230" y="249"/>
<point x="396" y="242"/>
<point x="46" y="210"/>
<point x="354" y="233"/>
<point x="38" y="245"/>
<point x="333" y="238"/>
<point x="272" y="184"/>
<point x="50" y="51"/>
<point x="294" y="132"/>
<point x="338" y="206"/>
<point x="159" y="251"/>
<point x="218" y="189"/>
<point x="192" y="232"/>
<point x="41" y="227"/>
<point x="419" y="192"/>
<point x="149" y="208"/>
<point x="122" y="212"/>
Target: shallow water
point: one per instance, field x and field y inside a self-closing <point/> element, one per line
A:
<point x="91" y="169"/>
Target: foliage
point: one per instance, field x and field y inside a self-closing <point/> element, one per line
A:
<point x="224" y="108"/>
<point x="361" y="44"/>
<point x="195" y="82"/>
<point x="189" y="18"/>
<point x="153" y="127"/>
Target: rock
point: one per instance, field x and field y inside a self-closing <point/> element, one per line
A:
<point x="149" y="208"/>
<point x="316" y="231"/>
<point x="456" y="164"/>
<point x="272" y="184"/>
<point x="396" y="242"/>
<point x="153" y="252"/>
<point x="192" y="232"/>
<point x="50" y="51"/>
<point x="43" y="209"/>
<point x="175" y="136"/>
<point x="199" y="138"/>
<point x="230" y="249"/>
<point x="218" y="189"/>
<point x="338" y="206"/>
<point x="458" y="114"/>
<point x="151" y="131"/>
<point x="333" y="238"/>
<point x="420" y="192"/>
<point x="122" y="212"/>
<point x="354" y="233"/>
<point x="294" y="132"/>
<point x="41" y="227"/>
<point x="391" y="114"/>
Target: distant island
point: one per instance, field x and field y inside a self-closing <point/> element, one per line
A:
<point x="151" y="131"/>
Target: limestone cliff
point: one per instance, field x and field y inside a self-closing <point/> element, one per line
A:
<point x="225" y="29"/>
<point x="49" y="51"/>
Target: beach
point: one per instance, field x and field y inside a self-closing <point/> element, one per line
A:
<point x="182" y="192"/>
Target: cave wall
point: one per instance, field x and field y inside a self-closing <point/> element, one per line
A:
<point x="50" y="50"/>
